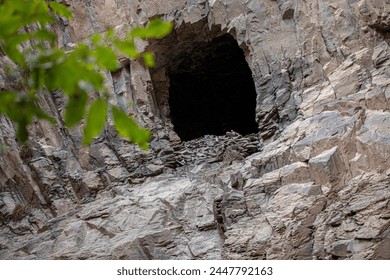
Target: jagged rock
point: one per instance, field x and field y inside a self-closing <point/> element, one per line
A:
<point x="93" y="181"/>
<point x="327" y="167"/>
<point x="311" y="184"/>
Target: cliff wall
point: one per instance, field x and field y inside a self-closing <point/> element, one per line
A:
<point x="311" y="183"/>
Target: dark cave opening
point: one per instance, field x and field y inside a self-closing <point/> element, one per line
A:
<point x="212" y="91"/>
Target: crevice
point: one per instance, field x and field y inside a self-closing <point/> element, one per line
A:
<point x="203" y="84"/>
<point x="212" y="91"/>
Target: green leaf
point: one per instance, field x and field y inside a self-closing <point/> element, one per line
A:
<point x="21" y="130"/>
<point x="140" y="32"/>
<point x="20" y="108"/>
<point x="149" y="59"/>
<point x="63" y="76"/>
<point x="74" y="75"/>
<point x="81" y="52"/>
<point x="129" y="129"/>
<point x="96" y="38"/>
<point x="47" y="58"/>
<point x="9" y="25"/>
<point x="6" y="97"/>
<point x="90" y="79"/>
<point x="159" y="28"/>
<point x="127" y="47"/>
<point x="106" y="58"/>
<point x="17" y="14"/>
<point x="75" y="109"/>
<point x="37" y="79"/>
<point x="11" y="48"/>
<point x="110" y="34"/>
<point x="156" y="28"/>
<point x="95" y="120"/>
<point x="44" y="34"/>
<point x="61" y="10"/>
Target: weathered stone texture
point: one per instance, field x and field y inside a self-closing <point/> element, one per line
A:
<point x="312" y="184"/>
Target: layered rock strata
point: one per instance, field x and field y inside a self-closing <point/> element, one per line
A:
<point x="313" y="183"/>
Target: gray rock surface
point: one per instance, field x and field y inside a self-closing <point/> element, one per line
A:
<point x="312" y="184"/>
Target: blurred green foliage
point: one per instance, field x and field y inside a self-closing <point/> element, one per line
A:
<point x="28" y="39"/>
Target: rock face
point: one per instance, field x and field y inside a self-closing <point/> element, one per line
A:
<point x="313" y="183"/>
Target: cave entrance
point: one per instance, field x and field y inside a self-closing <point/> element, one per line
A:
<point x="211" y="90"/>
<point x="202" y="83"/>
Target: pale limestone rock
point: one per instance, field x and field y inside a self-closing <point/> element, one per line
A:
<point x="327" y="167"/>
<point x="93" y="181"/>
<point x="297" y="172"/>
<point x="312" y="184"/>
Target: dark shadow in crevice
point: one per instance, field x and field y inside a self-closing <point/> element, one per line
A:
<point x="211" y="90"/>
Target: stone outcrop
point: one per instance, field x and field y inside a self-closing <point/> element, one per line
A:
<point x="313" y="183"/>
